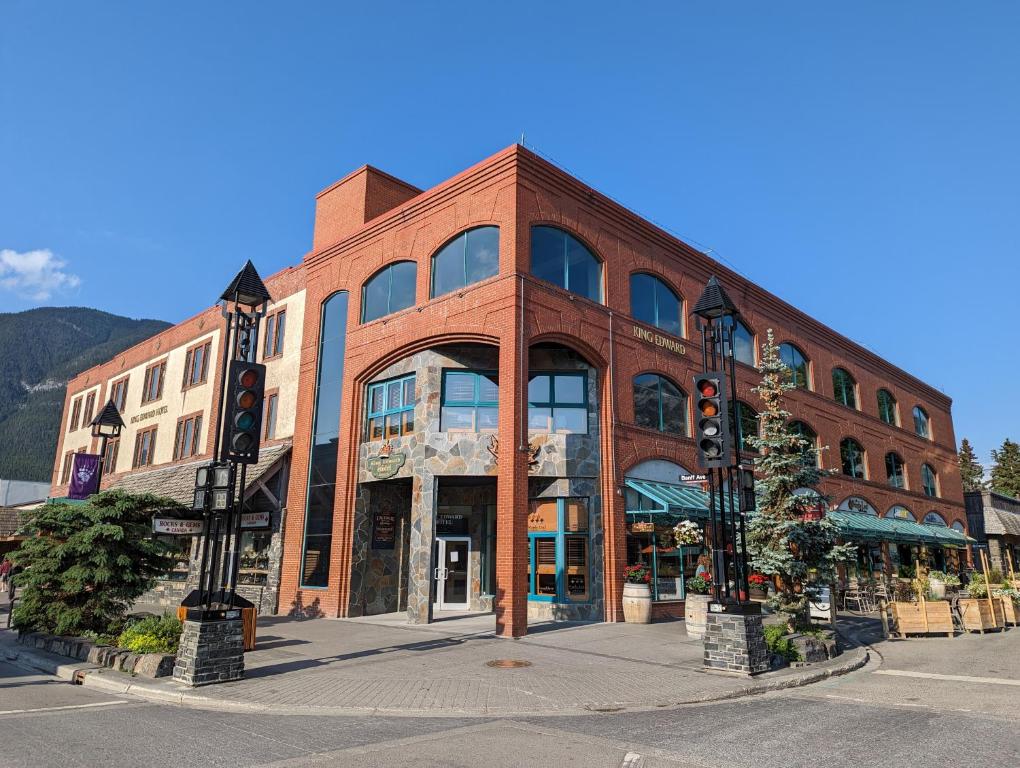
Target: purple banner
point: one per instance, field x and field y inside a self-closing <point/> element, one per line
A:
<point x="84" y="476"/>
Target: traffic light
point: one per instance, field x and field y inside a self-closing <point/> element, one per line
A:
<point x="711" y="419"/>
<point x="243" y="425"/>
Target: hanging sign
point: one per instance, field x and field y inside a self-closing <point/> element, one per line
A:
<point x="254" y="520"/>
<point x="84" y="476"/>
<point x="642" y="527"/>
<point x="173" y="526"/>
<point x="385" y="466"/>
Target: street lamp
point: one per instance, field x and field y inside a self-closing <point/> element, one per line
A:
<point x="106" y="425"/>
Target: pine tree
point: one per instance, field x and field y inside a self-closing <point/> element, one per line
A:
<point x="971" y="472"/>
<point x="780" y="541"/>
<point x="1006" y="469"/>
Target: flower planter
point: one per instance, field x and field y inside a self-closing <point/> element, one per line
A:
<point x="759" y="594"/>
<point x="937" y="587"/>
<point x="981" y="615"/>
<point x="696" y="615"/>
<point x="637" y="603"/>
<point x="936" y="618"/>
<point x="1010" y="610"/>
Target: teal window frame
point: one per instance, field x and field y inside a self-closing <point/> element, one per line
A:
<point x="560" y="535"/>
<point x="844" y="388"/>
<point x="660" y="317"/>
<point x="737" y="425"/>
<point x="895" y="470"/>
<point x="887" y="408"/>
<point x="745" y="336"/>
<point x="929" y="481"/>
<point x="387" y="274"/>
<point x="803" y="429"/>
<point x="789" y="354"/>
<point x="388" y="411"/>
<point x="476" y="402"/>
<point x="564" y="280"/>
<point x="553" y="403"/>
<point x="464" y="240"/>
<point x="857" y="461"/>
<point x="684" y="430"/>
<point x="922" y="422"/>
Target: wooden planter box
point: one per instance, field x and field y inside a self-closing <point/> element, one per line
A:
<point x="935" y="619"/>
<point x="978" y="616"/>
<point x="1010" y="611"/>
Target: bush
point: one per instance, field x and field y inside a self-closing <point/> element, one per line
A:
<point x="977" y="588"/>
<point x="155" y="634"/>
<point x="779" y="643"/>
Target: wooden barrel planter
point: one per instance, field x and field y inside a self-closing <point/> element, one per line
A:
<point x="929" y="617"/>
<point x="981" y="614"/>
<point x="696" y="615"/>
<point x="637" y="604"/>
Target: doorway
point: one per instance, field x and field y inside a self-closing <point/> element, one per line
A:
<point x="451" y="577"/>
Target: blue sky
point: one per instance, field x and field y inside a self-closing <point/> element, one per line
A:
<point x="859" y="161"/>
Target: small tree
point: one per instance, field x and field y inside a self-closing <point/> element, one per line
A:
<point x="84" y="564"/>
<point x="1006" y="469"/>
<point x="780" y="540"/>
<point x="971" y="472"/>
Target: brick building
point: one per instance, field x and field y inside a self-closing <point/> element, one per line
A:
<point x="491" y="412"/>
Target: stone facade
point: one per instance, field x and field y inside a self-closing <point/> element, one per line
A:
<point x="735" y="644"/>
<point x="210" y="652"/>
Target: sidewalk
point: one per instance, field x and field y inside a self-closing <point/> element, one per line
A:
<point x="381" y="665"/>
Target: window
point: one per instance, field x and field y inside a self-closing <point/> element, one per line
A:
<point x="90" y="408"/>
<point x="655" y="303"/>
<point x="929" y="481"/>
<point x="196" y="365"/>
<point x="558" y="402"/>
<point x="391" y="408"/>
<point x="811" y="449"/>
<point x="152" y="388"/>
<point x="894" y="471"/>
<point x="899" y="512"/>
<point x="794" y="359"/>
<point x="470" y="401"/>
<point x="743" y="341"/>
<point x="469" y="258"/>
<point x="852" y="457"/>
<point x="110" y="455"/>
<point x="389" y="290"/>
<point x="934" y="518"/>
<point x="958" y="526"/>
<point x="844" y="388"/>
<point x="118" y="393"/>
<point x="561" y="259"/>
<point x="743" y="424"/>
<point x="318" y="533"/>
<point x="145" y="447"/>
<point x="186" y="440"/>
<point x="558" y="569"/>
<point x="659" y="404"/>
<point x="65" y="468"/>
<point x="271" y="404"/>
<point x="75" y="414"/>
<point x="276" y="325"/>
<point x="887" y="408"/>
<point x="921" y="422"/>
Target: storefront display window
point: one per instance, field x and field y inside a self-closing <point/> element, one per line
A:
<point x="650" y="542"/>
<point x="558" y="562"/>
<point x="254" y="564"/>
<point x="180" y="551"/>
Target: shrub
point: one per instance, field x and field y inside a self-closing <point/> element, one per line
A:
<point x="977" y="588"/>
<point x="155" y="634"/>
<point x="779" y="643"/>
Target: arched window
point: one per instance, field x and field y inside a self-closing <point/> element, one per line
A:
<point x="958" y="526"/>
<point x="844" y="388"/>
<point x="797" y="363"/>
<point x="561" y="259"/>
<point x="743" y="424"/>
<point x="655" y="303"/>
<point x="389" y="290"/>
<point x="852" y="457"/>
<point x="659" y="404"/>
<point x="899" y="512"/>
<point x="921" y="424"/>
<point x="934" y="518"/>
<point x="887" y="408"/>
<point x="894" y="471"/>
<point x="810" y="450"/>
<point x="743" y="341"/>
<point x="929" y="481"/>
<point x="470" y="257"/>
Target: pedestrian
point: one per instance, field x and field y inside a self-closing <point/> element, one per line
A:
<point x="5" y="573"/>
<point x="704" y="569"/>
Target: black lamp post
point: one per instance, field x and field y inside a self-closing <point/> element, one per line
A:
<point x="717" y="318"/>
<point x="106" y="425"/>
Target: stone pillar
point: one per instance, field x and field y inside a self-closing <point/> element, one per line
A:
<point x="423" y="536"/>
<point x="210" y="652"/>
<point x="735" y="643"/>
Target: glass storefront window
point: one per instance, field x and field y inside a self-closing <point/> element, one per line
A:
<point x="254" y="561"/>
<point x="650" y="542"/>
<point x="558" y="546"/>
<point x="180" y="551"/>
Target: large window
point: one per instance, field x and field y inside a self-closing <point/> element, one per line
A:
<point x="558" y="402"/>
<point x="325" y="442"/>
<point x="852" y="457"/>
<point x="186" y="438"/>
<point x="270" y="406"/>
<point x="887" y="408"/>
<point x="659" y="404"/>
<point x="389" y="290"/>
<point x="929" y="481"/>
<point x="811" y="449"/>
<point x="470" y="401"/>
<point x="196" y="365"/>
<point x="899" y="512"/>
<point x="118" y="393"/>
<point x="558" y="569"/>
<point x="90" y="407"/>
<point x="894" y="471"/>
<point x="75" y="415"/>
<point x="655" y="303"/>
<point x="844" y="388"/>
<point x="391" y="408"/>
<point x="145" y="448"/>
<point x="276" y="331"/>
<point x="798" y="364"/>
<point x="470" y="257"/>
<point x="743" y="341"/>
<point x="934" y="518"/>
<point x="743" y="425"/>
<point x="110" y="455"/>
<point x="152" y="388"/>
<point x="561" y="259"/>
<point x="921" y="424"/>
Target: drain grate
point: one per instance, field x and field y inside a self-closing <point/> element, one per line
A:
<point x="508" y="663"/>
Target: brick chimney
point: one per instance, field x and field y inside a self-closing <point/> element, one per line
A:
<point x="343" y="208"/>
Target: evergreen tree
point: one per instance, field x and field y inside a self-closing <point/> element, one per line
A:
<point x="1006" y="469"/>
<point x="971" y="472"/>
<point x="83" y="565"/>
<point x="781" y="542"/>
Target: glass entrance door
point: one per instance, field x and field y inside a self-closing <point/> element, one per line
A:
<point x="452" y="574"/>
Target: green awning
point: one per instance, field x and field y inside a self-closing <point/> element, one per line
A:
<point x="856" y="526"/>
<point x="680" y="500"/>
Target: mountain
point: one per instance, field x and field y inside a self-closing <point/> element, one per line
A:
<point x="42" y="350"/>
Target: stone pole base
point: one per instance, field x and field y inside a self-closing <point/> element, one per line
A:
<point x="211" y="651"/>
<point x="735" y="642"/>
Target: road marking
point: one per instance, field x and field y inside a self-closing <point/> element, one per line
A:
<point x="953" y="678"/>
<point x="54" y="709"/>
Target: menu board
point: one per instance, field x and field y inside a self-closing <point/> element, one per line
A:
<point x="384" y="529"/>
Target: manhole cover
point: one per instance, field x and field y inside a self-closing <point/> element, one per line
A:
<point x="507" y="663"/>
